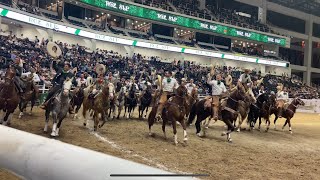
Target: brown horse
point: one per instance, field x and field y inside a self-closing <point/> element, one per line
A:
<point x="9" y="97"/>
<point x="244" y="107"/>
<point x="31" y="94"/>
<point x="99" y="105"/>
<point x="288" y="113"/>
<point x="174" y="110"/>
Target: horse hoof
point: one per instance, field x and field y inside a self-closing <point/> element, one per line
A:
<point x="290" y="132"/>
<point x="238" y="130"/>
<point x="223" y="134"/>
<point x="176" y="143"/>
<point x="99" y="126"/>
<point x="185" y="140"/>
<point x="229" y="140"/>
<point x="53" y="134"/>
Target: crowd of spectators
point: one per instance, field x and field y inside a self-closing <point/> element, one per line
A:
<point x="34" y="55"/>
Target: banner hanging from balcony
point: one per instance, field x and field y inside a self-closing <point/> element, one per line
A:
<point x="155" y="15"/>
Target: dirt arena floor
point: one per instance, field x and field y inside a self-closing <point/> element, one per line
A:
<point x="252" y="155"/>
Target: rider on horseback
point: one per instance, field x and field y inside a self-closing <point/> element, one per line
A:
<point x="218" y="88"/>
<point x="18" y="66"/>
<point x="168" y="85"/>
<point x="245" y="79"/>
<point x="282" y="97"/>
<point x="58" y="80"/>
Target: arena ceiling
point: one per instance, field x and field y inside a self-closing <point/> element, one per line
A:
<point x="307" y="6"/>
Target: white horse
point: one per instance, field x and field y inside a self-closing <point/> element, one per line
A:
<point x="59" y="108"/>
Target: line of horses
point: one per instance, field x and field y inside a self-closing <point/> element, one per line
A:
<point x="182" y="108"/>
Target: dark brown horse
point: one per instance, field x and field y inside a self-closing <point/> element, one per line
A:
<point x="288" y="113"/>
<point x="77" y="100"/>
<point x="229" y="109"/>
<point x="99" y="105"/>
<point x="9" y="97"/>
<point x="31" y="94"/>
<point x="174" y="110"/>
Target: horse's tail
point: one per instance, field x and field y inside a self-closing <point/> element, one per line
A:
<point x="192" y="114"/>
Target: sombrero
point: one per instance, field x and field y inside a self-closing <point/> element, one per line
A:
<point x="53" y="50"/>
<point x="228" y="80"/>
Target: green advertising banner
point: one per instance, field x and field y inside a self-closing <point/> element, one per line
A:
<point x="160" y="16"/>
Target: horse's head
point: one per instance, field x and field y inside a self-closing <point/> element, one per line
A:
<point x="272" y="99"/>
<point x="111" y="90"/>
<point x="250" y="96"/>
<point x="182" y="91"/>
<point x="105" y="90"/>
<point x="67" y="86"/>
<point x="10" y="74"/>
<point x="298" y="101"/>
<point x="239" y="93"/>
<point x="194" y="93"/>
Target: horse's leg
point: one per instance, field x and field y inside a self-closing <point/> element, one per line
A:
<point x="260" y="123"/>
<point x="21" y="108"/>
<point x="33" y="102"/>
<point x="119" y="111"/>
<point x="147" y="109"/>
<point x="139" y="111"/>
<point x="77" y="110"/>
<point x="275" y="121"/>
<point x="240" y="123"/>
<point x="289" y="123"/>
<point x="47" y="114"/>
<point x="125" y="111"/>
<point x="84" y="114"/>
<point x="284" y="124"/>
<point x="104" y="120"/>
<point x="230" y="130"/>
<point x="183" y="124"/>
<point x="6" y="117"/>
<point x="175" y="135"/>
<point x="58" y="126"/>
<point x="164" y="128"/>
<point x="54" y="127"/>
<point x="96" y="121"/>
<point x="268" y="123"/>
<point x="198" y="126"/>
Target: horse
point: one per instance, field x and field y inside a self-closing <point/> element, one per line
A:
<point x="77" y="100"/>
<point x="202" y="112"/>
<point x="230" y="107"/>
<point x="131" y="101"/>
<point x="265" y="111"/>
<point x="192" y="99"/>
<point x="288" y="113"/>
<point x="244" y="108"/>
<point x="58" y="106"/>
<point x="120" y="100"/>
<point x="99" y="105"/>
<point x="113" y="99"/>
<point x="256" y="108"/>
<point x="31" y="94"/>
<point x="145" y="102"/>
<point x="9" y="97"/>
<point x="174" y="110"/>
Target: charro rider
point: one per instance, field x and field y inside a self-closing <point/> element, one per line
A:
<point x="282" y="98"/>
<point x="218" y="88"/>
<point x="190" y="86"/>
<point x="62" y="74"/>
<point x="168" y="85"/>
<point x="17" y="65"/>
<point x="245" y="79"/>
